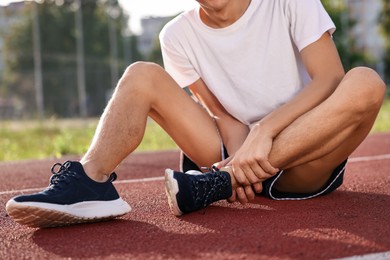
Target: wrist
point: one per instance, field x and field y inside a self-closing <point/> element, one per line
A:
<point x="265" y="129"/>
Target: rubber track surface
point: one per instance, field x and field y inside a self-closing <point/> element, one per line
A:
<point x="351" y="221"/>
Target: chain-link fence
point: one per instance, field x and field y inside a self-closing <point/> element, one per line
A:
<point x="63" y="57"/>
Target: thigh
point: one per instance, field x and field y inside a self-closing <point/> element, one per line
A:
<point x="338" y="142"/>
<point x="311" y="176"/>
<point x="187" y="123"/>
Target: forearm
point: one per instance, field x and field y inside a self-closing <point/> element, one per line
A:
<point x="311" y="96"/>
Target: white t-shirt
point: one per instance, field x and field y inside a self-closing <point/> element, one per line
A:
<point x="252" y="66"/>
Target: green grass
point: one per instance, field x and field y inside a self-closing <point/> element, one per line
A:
<point x="56" y="138"/>
<point x="382" y="123"/>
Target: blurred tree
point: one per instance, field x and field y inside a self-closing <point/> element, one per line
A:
<point x="350" y="56"/>
<point x="385" y="24"/>
<point x="58" y="54"/>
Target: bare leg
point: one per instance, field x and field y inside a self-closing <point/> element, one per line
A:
<point x="147" y="90"/>
<point x="312" y="146"/>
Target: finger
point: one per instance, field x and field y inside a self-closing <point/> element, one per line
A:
<point x="258" y="173"/>
<point x="222" y="163"/>
<point x="240" y="176"/>
<point x="245" y="174"/>
<point x="254" y="174"/>
<point x="250" y="195"/>
<point x="232" y="198"/>
<point x="241" y="195"/>
<point x="267" y="167"/>
<point x="258" y="187"/>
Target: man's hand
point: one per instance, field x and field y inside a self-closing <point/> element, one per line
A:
<point x="250" y="164"/>
<point x="241" y="193"/>
<point x="244" y="194"/>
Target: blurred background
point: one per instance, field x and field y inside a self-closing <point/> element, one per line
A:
<point x="62" y="58"/>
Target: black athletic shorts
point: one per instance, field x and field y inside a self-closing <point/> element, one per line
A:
<point x="335" y="181"/>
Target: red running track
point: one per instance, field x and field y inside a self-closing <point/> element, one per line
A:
<point x="355" y="220"/>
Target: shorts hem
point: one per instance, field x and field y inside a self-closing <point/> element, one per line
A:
<point x="333" y="183"/>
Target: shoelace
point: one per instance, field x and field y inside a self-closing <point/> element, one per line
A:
<point x="62" y="176"/>
<point x="213" y="186"/>
<point x="208" y="169"/>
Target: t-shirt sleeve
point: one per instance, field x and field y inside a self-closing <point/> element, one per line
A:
<point x="176" y="62"/>
<point x="309" y="21"/>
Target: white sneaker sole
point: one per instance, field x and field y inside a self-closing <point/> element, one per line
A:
<point x="171" y="189"/>
<point x="38" y="214"/>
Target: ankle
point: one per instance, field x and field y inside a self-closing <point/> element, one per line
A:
<point x="229" y="170"/>
<point x="93" y="172"/>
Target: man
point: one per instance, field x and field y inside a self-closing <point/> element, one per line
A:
<point x="276" y="99"/>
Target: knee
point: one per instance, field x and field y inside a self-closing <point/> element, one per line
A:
<point x="142" y="69"/>
<point x="367" y="89"/>
<point x="139" y="76"/>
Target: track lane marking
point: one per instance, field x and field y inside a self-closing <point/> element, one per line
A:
<point x="370" y="158"/>
<point x="373" y="256"/>
<point x="350" y="160"/>
<point x="116" y="182"/>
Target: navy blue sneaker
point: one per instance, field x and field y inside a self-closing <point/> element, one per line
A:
<point x="194" y="190"/>
<point x="71" y="198"/>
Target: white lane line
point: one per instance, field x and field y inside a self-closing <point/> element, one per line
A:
<point x="370" y="158"/>
<point x="374" y="256"/>
<point x="116" y="182"/>
<point x="351" y="160"/>
<point x="140" y="180"/>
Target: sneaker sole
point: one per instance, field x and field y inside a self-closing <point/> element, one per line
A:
<point x="171" y="189"/>
<point x="43" y="215"/>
